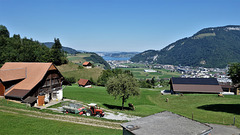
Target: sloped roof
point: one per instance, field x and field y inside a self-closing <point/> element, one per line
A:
<point x="200" y="85"/>
<point x="166" y="123"/>
<point x="197" y="81"/>
<point x="82" y="81"/>
<point x="34" y="74"/>
<point x="12" y="74"/>
<point x="86" y="63"/>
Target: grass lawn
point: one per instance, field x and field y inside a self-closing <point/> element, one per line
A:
<point x="207" y="108"/>
<point x="162" y="73"/>
<point x="19" y="124"/>
<point x="71" y="70"/>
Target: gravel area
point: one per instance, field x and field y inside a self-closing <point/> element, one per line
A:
<point x="224" y="130"/>
<point x="119" y="116"/>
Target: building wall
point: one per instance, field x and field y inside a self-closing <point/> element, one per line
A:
<point x="2" y="89"/>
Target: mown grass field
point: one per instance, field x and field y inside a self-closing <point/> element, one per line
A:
<point x="207" y="108"/>
<point x="18" y="122"/>
<point x="162" y="73"/>
<point x="21" y="124"/>
<point x="72" y="70"/>
<point x="80" y="58"/>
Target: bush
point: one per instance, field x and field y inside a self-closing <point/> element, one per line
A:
<point x="70" y="79"/>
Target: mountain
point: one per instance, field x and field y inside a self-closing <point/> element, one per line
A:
<point x="210" y="47"/>
<point x="66" y="49"/>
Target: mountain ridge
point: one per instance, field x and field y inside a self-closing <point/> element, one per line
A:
<point x="209" y="47"/>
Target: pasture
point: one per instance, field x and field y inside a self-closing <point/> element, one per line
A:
<point x="160" y="74"/>
<point x="207" y="108"/>
<point x="72" y="70"/>
<point x="18" y="119"/>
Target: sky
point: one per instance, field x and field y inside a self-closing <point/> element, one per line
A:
<point x="115" y="25"/>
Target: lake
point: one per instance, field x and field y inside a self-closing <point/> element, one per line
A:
<point x="115" y="58"/>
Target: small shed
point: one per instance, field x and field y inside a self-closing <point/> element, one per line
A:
<point x="87" y="64"/>
<point x="195" y="85"/>
<point x="85" y="83"/>
<point x="165" y="123"/>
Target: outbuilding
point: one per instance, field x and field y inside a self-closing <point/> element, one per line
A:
<point x="84" y="83"/>
<point x="165" y="123"/>
<point x="87" y="64"/>
<point x="195" y="85"/>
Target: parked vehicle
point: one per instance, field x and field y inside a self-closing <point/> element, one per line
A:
<point x="91" y="110"/>
<point x="94" y="110"/>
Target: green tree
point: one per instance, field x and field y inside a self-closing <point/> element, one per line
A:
<point x="106" y="74"/>
<point x="58" y="57"/>
<point x="153" y="81"/>
<point x="122" y="86"/>
<point x="4" y="31"/>
<point x="234" y="73"/>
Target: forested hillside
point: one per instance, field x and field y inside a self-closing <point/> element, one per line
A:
<point x="17" y="49"/>
<point x="210" y="47"/>
<point x="66" y="49"/>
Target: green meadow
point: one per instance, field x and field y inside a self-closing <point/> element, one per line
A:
<point x="161" y="74"/>
<point x="21" y="124"/>
<point x="207" y="108"/>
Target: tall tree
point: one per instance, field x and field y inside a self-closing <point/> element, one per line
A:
<point x="57" y="53"/>
<point x="153" y="82"/>
<point x="234" y="73"/>
<point x="122" y="86"/>
<point x="3" y="31"/>
<point x="106" y="74"/>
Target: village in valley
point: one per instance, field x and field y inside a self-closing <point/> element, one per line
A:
<point x="120" y="67"/>
<point x="42" y="86"/>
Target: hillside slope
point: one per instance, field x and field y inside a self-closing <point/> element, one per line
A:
<point x="72" y="70"/>
<point x="66" y="49"/>
<point x="95" y="59"/>
<point x="210" y="47"/>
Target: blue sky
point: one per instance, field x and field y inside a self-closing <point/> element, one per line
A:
<point x="115" y="25"/>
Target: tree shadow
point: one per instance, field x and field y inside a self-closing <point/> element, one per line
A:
<point x="116" y="107"/>
<point x="228" y="108"/>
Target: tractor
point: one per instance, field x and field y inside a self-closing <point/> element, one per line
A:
<point x="91" y="110"/>
<point x="94" y="110"/>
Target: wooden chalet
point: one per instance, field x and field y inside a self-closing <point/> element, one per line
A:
<point x="31" y="82"/>
<point x="194" y="85"/>
<point x="87" y="65"/>
<point x="84" y="83"/>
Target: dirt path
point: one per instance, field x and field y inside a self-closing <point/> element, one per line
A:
<point x="65" y="118"/>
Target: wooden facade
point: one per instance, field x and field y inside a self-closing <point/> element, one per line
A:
<point x="33" y="80"/>
<point x="2" y="88"/>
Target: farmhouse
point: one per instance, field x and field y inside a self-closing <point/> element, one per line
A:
<point x="87" y="65"/>
<point x="165" y="123"/>
<point x="194" y="85"/>
<point x="84" y="83"/>
<point x="27" y="82"/>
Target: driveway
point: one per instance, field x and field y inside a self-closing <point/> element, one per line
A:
<point x="224" y="130"/>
